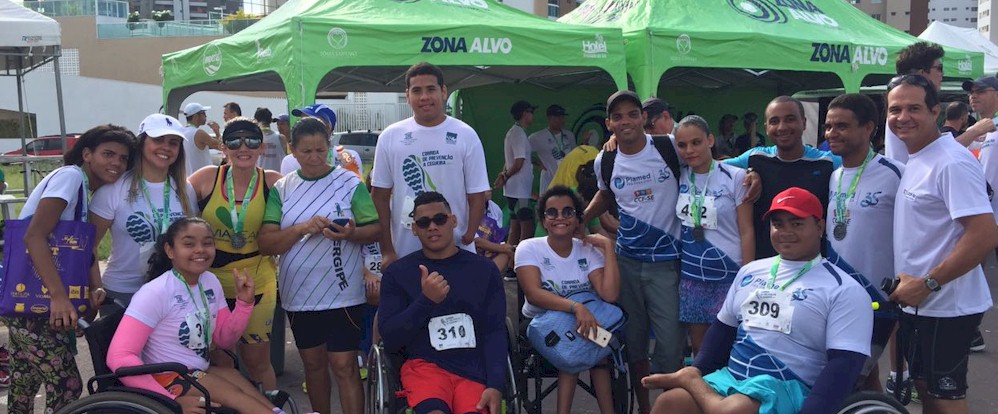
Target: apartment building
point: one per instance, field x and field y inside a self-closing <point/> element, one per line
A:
<point x="906" y="15"/>
<point x="552" y="9"/>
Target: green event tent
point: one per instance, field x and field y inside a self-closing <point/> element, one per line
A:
<point x="803" y="39"/>
<point x="307" y="47"/>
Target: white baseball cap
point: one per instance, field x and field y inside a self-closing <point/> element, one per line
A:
<point x="193" y="108"/>
<point x="157" y="125"/>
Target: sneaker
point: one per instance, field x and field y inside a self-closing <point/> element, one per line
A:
<point x="908" y="388"/>
<point x="977" y="345"/>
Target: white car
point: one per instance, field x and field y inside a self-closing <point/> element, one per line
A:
<point x="363" y="142"/>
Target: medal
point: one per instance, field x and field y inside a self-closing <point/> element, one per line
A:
<point x="238" y="240"/>
<point x="698" y="233"/>
<point x="839" y="231"/>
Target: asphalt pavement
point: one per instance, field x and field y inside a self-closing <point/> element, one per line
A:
<point x="982" y="396"/>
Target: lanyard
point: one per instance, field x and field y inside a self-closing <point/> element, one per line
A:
<point x="559" y="140"/>
<point x="840" y="202"/>
<point x="238" y="217"/>
<point x="163" y="221"/>
<point x="776" y="266"/>
<point x="697" y="202"/>
<point x="87" y="194"/>
<point x="204" y="313"/>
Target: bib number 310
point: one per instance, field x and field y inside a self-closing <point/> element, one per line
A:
<point x="452" y="331"/>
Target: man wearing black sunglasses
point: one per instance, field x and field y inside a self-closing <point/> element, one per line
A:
<point x="446" y="307"/>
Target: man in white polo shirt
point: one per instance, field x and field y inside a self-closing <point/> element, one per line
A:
<point x="517" y="175"/>
<point x="943" y="228"/>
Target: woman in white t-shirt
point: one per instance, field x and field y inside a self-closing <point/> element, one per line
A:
<point x="141" y="205"/>
<point x="551" y="268"/>
<point x="99" y="157"/>
<point x="717" y="241"/>
<point x="178" y="315"/>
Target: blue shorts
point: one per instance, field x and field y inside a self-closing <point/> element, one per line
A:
<point x="776" y="396"/>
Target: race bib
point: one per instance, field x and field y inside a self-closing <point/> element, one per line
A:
<point x="195" y="322"/>
<point x="452" y="331"/>
<point x="373" y="263"/>
<point x="708" y="212"/>
<point x="769" y="309"/>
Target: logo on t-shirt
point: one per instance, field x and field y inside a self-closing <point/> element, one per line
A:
<point x="546" y="263"/>
<point x="583" y="265"/>
<point x="801" y="293"/>
<point x="746" y="280"/>
<point x="407" y="139"/>
<point x="871" y="199"/>
<point x="451" y="138"/>
<point x="664" y="174"/>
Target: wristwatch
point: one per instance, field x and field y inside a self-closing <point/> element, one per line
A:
<point x="932" y="284"/>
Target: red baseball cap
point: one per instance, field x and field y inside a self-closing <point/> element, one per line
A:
<point x="796" y="201"/>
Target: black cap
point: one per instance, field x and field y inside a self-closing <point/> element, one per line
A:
<point x="750" y="117"/>
<point x="621" y="96"/>
<point x="654" y="106"/>
<point x="519" y="107"/>
<point x="556" y="110"/>
<point x="240" y="127"/>
<point x="732" y="117"/>
<point x="981" y="82"/>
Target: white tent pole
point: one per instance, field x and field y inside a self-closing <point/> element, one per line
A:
<point x="58" y="98"/>
<point x="21" y="121"/>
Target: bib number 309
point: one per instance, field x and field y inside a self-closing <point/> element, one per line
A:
<point x="768" y="309"/>
<point x="452" y="331"/>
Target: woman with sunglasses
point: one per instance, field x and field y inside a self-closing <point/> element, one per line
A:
<point x="41" y="349"/>
<point x="318" y="219"/>
<point x="718" y="235"/>
<point x="551" y="268"/>
<point x="232" y="199"/>
<point x="140" y="206"/>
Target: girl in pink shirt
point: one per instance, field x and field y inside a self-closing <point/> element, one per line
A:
<point x="178" y="315"/>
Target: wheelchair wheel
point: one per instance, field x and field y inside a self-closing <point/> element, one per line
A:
<point x="870" y="402"/>
<point x="116" y="402"/>
<point x="623" y="399"/>
<point x="382" y="384"/>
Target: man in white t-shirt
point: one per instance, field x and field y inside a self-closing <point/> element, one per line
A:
<point x="983" y="94"/>
<point x="943" y="229"/>
<point x="861" y="211"/>
<point x="551" y="144"/>
<point x="926" y="59"/>
<point x="429" y="151"/>
<point x="197" y="142"/>
<point x="791" y="336"/>
<point x="517" y="175"/>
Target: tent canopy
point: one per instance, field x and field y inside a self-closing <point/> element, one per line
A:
<point x="307" y="47"/>
<point x="963" y="38"/>
<point x="28" y="39"/>
<point x="830" y="36"/>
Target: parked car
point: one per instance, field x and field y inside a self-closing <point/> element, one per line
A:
<point x="46" y="145"/>
<point x="361" y="141"/>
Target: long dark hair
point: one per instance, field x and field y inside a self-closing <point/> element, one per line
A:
<point x="159" y="262"/>
<point x="99" y="135"/>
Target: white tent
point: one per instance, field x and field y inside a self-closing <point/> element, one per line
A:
<point x="28" y="41"/>
<point x="965" y="38"/>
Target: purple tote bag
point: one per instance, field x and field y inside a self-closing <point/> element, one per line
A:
<point x="72" y="245"/>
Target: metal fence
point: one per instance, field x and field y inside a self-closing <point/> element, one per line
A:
<point x="375" y="117"/>
<point x="59" y="8"/>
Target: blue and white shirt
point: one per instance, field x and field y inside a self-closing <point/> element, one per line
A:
<point x="719" y="256"/>
<point x="646" y="192"/>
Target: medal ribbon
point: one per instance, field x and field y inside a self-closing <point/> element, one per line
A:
<point x="840" y="202"/>
<point x="204" y="314"/>
<point x="87" y="193"/>
<point x="163" y="221"/>
<point x="697" y="203"/>
<point x="776" y="266"/>
<point x="238" y="217"/>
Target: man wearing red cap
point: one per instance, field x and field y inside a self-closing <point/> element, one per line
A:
<point x="794" y="330"/>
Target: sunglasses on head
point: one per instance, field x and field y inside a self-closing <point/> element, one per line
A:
<point x="234" y="142"/>
<point x="439" y="219"/>
<point x="566" y="213"/>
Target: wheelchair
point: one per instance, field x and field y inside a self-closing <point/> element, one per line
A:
<point x="107" y="395"/>
<point x="383" y="393"/>
<point x="532" y="369"/>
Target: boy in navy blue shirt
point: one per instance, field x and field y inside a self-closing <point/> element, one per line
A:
<point x="444" y="308"/>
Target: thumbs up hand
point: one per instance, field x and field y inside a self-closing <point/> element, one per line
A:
<point x="434" y="285"/>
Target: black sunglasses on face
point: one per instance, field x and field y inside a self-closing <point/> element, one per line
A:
<point x="439" y="219"/>
<point x="233" y="143"/>
<point x="566" y="213"/>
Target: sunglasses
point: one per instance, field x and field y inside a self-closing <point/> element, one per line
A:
<point x="233" y="143"/>
<point x="566" y="213"/>
<point x="439" y="219"/>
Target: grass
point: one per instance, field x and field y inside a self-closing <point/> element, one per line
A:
<point x="14" y="176"/>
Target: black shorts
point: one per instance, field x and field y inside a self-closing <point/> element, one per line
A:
<point x="937" y="350"/>
<point x="339" y="329"/>
<point x="519" y="209"/>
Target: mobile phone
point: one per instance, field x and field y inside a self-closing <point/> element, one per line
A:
<point x="340" y="222"/>
<point x="602" y="337"/>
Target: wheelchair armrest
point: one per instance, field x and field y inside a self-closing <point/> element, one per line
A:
<point x="152" y="369"/>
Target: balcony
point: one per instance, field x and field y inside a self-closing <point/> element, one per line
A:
<point x="172" y="28"/>
<point x="61" y="8"/>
